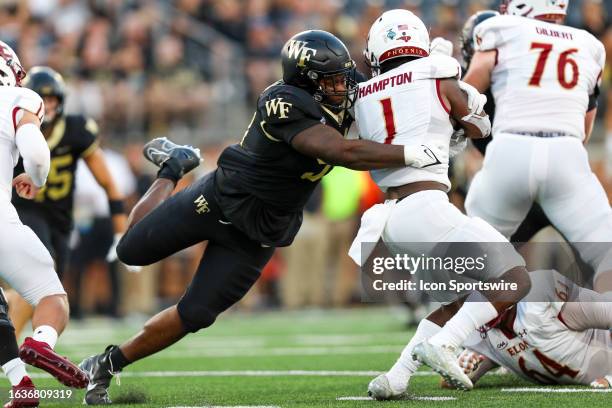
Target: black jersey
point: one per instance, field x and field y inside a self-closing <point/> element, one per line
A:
<point x="263" y="183"/>
<point x="72" y="137"/>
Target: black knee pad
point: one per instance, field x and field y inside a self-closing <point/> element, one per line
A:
<point x="4" y="308"/>
<point x="128" y="252"/>
<point x="195" y="316"/>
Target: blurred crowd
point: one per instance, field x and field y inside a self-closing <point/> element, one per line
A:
<point x="191" y="70"/>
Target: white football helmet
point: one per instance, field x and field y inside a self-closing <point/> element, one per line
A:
<point x="542" y="9"/>
<point x="396" y="33"/>
<point x="11" y="72"/>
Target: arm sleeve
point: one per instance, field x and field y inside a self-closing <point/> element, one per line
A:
<point x="35" y="152"/>
<point x="287" y="113"/>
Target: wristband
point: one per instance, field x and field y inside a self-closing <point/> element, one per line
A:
<point x="116" y="207"/>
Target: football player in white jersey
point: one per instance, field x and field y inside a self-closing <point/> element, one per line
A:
<point x="558" y="334"/>
<point x="25" y="264"/>
<point x="545" y="79"/>
<point x="412" y="99"/>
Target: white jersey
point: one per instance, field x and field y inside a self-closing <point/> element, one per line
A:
<point x="404" y="107"/>
<point x="543" y="75"/>
<point x="12" y="100"/>
<point x="537" y="346"/>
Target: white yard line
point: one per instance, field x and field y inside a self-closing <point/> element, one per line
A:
<point x="257" y="351"/>
<point x="231" y="406"/>
<point x="253" y="373"/>
<point x="410" y="398"/>
<point x="555" y="390"/>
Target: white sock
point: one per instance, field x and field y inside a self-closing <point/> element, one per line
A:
<point x="475" y="312"/>
<point x="400" y="373"/>
<point x="46" y="334"/>
<point x="15" y="370"/>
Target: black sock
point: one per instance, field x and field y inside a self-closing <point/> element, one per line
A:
<point x="170" y="170"/>
<point x="8" y="344"/>
<point x="117" y="359"/>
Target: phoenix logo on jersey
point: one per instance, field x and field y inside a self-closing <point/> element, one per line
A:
<point x="278" y="107"/>
<point x="298" y="50"/>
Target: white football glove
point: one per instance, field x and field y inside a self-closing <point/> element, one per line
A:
<point x="441" y="46"/>
<point x="458" y="142"/>
<point x="425" y="155"/>
<point x="476" y="100"/>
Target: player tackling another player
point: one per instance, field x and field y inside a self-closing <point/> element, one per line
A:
<point x="253" y="201"/>
<point x="26" y="264"/>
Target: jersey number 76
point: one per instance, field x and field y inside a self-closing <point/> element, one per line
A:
<point x="562" y="62"/>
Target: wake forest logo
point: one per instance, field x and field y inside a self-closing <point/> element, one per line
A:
<point x="201" y="205"/>
<point x="298" y="50"/>
<point x="278" y="107"/>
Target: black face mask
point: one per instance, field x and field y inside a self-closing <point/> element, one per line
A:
<point x="324" y="96"/>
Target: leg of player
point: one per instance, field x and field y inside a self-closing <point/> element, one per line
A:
<point x="209" y="294"/>
<point x="439" y="352"/>
<point x="20" y="311"/>
<point x="49" y="320"/>
<point x="394" y="383"/>
<point x="12" y="366"/>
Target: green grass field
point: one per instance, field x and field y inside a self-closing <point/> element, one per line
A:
<point x="301" y="359"/>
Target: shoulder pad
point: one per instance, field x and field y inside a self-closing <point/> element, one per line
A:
<point x="278" y="102"/>
<point x="491" y="33"/>
<point x="437" y="67"/>
<point x="29" y="100"/>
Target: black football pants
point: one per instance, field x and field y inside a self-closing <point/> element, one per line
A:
<point x="231" y="262"/>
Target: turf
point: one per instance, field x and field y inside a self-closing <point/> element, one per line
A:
<point x="360" y="341"/>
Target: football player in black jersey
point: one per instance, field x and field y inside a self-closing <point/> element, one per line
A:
<point x="536" y="219"/>
<point x="49" y="214"/>
<point x="253" y="202"/>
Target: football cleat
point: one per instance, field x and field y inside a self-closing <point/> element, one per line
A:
<point x="23" y="395"/>
<point x="443" y="360"/>
<point x="162" y="151"/>
<point x="40" y="354"/>
<point x="100" y="370"/>
<point x="380" y="389"/>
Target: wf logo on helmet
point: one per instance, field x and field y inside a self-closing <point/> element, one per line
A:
<point x="298" y="50"/>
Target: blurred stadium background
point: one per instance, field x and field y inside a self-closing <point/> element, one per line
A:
<point x="191" y="70"/>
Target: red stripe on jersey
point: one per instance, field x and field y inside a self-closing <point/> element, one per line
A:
<point x="446" y="108"/>
<point x="15" y="110"/>
<point x="389" y="119"/>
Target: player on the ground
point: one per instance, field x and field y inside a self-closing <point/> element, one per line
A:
<point x="49" y="214"/>
<point x="12" y="365"/>
<point x="25" y="263"/>
<point x="253" y="201"/>
<point x="545" y="79"/>
<point x="412" y="98"/>
<point x="558" y="334"/>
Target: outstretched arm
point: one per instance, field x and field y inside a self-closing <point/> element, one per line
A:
<point x="326" y="143"/>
